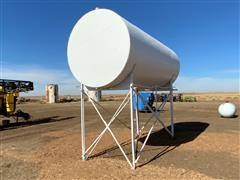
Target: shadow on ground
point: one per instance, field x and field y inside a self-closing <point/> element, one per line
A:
<point x="184" y="132"/>
<point x="234" y="116"/>
<point x="34" y="122"/>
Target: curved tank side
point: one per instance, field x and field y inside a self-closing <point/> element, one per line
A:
<point x="145" y="62"/>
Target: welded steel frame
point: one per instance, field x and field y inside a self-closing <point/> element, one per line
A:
<point x="136" y="131"/>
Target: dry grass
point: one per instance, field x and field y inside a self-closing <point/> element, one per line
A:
<point x="228" y="96"/>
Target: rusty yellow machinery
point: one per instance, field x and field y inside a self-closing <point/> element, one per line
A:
<point x="9" y="92"/>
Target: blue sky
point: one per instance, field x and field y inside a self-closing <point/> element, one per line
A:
<point x="204" y="34"/>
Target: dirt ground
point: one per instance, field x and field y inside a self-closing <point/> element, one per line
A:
<point x="205" y="146"/>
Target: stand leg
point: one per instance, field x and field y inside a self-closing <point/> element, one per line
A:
<point x="136" y="111"/>
<point x="137" y="123"/>
<point x="132" y="128"/>
<point x="171" y="111"/>
<point x="82" y="123"/>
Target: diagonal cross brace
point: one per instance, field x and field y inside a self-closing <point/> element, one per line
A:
<point x="161" y="106"/>
<point x="107" y="128"/>
<point x="118" y="111"/>
<point x="134" y="124"/>
<point x="155" y="115"/>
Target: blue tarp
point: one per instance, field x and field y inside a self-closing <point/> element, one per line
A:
<point x="148" y="97"/>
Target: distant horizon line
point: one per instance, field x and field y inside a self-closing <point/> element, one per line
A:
<point x="117" y="94"/>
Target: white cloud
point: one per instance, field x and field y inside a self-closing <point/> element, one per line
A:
<point x="41" y="77"/>
<point x="207" y="84"/>
<point x="69" y="86"/>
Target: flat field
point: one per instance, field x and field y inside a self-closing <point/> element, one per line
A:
<point x="48" y="146"/>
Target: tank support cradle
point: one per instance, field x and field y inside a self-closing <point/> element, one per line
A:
<point x="136" y="132"/>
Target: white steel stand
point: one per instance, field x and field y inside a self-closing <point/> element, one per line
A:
<point x="135" y="131"/>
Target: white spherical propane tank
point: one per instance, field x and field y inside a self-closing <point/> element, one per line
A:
<point x="105" y="51"/>
<point x="227" y="109"/>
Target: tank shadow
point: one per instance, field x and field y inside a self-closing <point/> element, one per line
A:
<point x="161" y="140"/>
<point x="184" y="132"/>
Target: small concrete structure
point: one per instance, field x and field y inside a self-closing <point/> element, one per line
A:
<point x="52" y="95"/>
<point x="95" y="95"/>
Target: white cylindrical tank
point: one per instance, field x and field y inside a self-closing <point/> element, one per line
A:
<point x="52" y="93"/>
<point x="106" y="51"/>
<point x="227" y="109"/>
